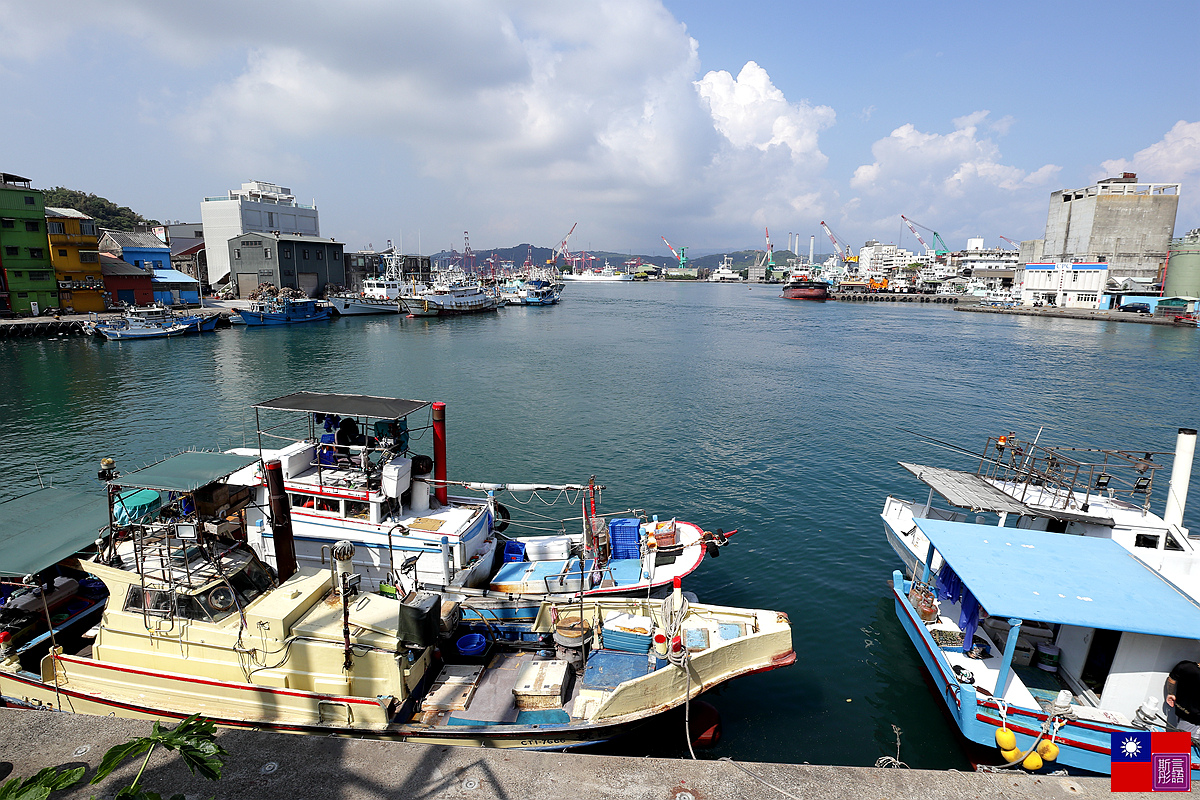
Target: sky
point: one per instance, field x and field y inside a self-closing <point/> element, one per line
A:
<point x="514" y="120"/>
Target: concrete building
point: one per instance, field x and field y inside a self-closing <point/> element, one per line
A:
<point x="1118" y="221"/>
<point x="26" y="272"/>
<point x="1183" y="266"/>
<point x="1064" y="284"/>
<point x="257" y="207"/>
<point x="885" y="258"/>
<point x="74" y="251"/>
<point x="307" y="263"/>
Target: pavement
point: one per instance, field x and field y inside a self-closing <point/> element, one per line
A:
<point x="1073" y="313"/>
<point x="274" y="765"/>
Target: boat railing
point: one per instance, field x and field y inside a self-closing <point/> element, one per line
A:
<point x="1067" y="477"/>
<point x="569" y="580"/>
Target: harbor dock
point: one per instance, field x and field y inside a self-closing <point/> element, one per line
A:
<point x="1100" y="315"/>
<point x="281" y="765"/>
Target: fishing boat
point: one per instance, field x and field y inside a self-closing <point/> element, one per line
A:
<point x="451" y="293"/>
<point x="725" y="273"/>
<point x="194" y="622"/>
<point x="379" y="295"/>
<point x="350" y="475"/>
<point x="1061" y="620"/>
<point x="150" y="322"/>
<point x="284" y="311"/>
<point x="530" y="292"/>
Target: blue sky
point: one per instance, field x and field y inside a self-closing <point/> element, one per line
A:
<point x="701" y="121"/>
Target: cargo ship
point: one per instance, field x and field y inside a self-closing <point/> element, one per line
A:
<point x="801" y="287"/>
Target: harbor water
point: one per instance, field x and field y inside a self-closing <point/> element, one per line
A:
<point x="720" y="404"/>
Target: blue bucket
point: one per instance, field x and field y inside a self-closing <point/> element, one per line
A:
<point x="472" y="644"/>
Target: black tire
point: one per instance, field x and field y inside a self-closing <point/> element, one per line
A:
<point x="713" y="550"/>
<point x="503" y="515"/>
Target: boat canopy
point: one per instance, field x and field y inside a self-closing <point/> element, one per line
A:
<point x="346" y="405"/>
<point x="968" y="490"/>
<point x="1087" y="581"/>
<point x="185" y="472"/>
<point x="43" y="527"/>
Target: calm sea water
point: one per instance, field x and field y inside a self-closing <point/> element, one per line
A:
<point x="723" y="405"/>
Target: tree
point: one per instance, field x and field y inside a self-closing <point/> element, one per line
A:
<point x="106" y="213"/>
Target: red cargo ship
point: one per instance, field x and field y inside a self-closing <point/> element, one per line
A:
<point x="801" y="288"/>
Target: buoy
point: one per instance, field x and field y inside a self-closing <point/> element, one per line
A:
<point x="1010" y="755"/>
<point x="1006" y="739"/>
<point x="1032" y="762"/>
<point x="1047" y="750"/>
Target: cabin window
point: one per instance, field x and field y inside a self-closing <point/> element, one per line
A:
<point x="357" y="510"/>
<point x="1146" y="540"/>
<point x="152" y="601"/>
<point x="326" y="504"/>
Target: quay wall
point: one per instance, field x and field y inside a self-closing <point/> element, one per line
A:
<point x="263" y="765"/>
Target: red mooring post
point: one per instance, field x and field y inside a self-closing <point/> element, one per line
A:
<point x="441" y="491"/>
<point x="281" y="521"/>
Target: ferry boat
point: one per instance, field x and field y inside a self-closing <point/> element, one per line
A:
<point x="1090" y="598"/>
<point x="350" y="475"/>
<point x="285" y="311"/>
<point x="725" y="273"/>
<point x="194" y="622"/>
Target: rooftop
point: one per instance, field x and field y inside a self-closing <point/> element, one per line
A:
<point x="66" y="212"/>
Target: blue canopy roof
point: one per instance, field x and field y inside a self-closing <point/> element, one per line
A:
<point x="1063" y="578"/>
<point x="172" y="276"/>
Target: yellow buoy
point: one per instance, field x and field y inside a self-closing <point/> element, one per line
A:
<point x="1006" y="739"/>
<point x="1032" y="762"/>
<point x="1047" y="749"/>
<point x="1010" y="755"/>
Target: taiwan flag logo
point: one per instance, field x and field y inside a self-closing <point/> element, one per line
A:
<point x="1151" y="762"/>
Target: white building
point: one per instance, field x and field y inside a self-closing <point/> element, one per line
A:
<point x="1063" y="284"/>
<point x="256" y="207"/>
<point x="885" y="258"/>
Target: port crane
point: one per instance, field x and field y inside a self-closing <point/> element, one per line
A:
<point x="681" y="255"/>
<point x="770" y="250"/>
<point x="936" y="236"/>
<point x="561" y="249"/>
<point x="844" y="253"/>
<point x="1010" y="241"/>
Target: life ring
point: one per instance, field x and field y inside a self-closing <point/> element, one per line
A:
<point x="504" y="516"/>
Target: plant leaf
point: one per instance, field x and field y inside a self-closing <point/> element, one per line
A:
<point x="118" y="753"/>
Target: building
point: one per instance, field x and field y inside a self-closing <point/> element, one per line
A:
<point x="126" y="283"/>
<point x="148" y="252"/>
<point x="1118" y="221"/>
<point x="74" y="245"/>
<point x="885" y="258"/>
<point x="308" y="263"/>
<point x="256" y="207"/>
<point x="1064" y="284"/>
<point x="27" y="283"/>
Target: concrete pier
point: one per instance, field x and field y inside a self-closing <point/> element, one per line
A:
<point x="264" y="765"/>
<point x="50" y="327"/>
<point x="1075" y="313"/>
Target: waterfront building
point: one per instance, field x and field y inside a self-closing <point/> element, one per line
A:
<point x="148" y="252"/>
<point x="74" y="252"/>
<point x="1183" y="266"/>
<point x="307" y="263"/>
<point x="26" y="272"/>
<point x="364" y="264"/>
<point x="1117" y="221"/>
<point x="126" y="283"/>
<point x="1063" y="284"/>
<point x="257" y="207"/>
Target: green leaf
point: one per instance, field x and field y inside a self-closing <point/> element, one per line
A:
<point x="118" y="753"/>
<point x="40" y="785"/>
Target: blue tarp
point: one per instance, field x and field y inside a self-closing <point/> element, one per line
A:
<point x="1062" y="578"/>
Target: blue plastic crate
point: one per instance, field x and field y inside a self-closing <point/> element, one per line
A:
<point x="514" y="551"/>
<point x="624" y="535"/>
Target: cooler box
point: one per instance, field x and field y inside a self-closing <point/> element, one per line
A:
<point x="541" y="684"/>
<point x="627" y="632"/>
<point x="514" y="551"/>
<point x="625" y="536"/>
<point x="548" y="548"/>
<point x="396" y="477"/>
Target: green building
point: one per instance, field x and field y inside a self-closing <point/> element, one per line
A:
<point x="26" y="273"/>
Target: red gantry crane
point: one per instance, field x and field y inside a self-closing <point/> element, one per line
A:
<point x="844" y="253"/>
<point x="681" y="256"/>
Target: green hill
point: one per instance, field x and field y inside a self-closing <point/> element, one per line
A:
<point x="106" y="213"/>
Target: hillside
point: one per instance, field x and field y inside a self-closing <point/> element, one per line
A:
<point x="106" y="213"/>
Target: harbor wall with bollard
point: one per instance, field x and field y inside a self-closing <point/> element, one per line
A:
<point x="262" y="765"/>
<point x="50" y="327"/>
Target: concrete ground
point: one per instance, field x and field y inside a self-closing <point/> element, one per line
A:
<point x="1073" y="313"/>
<point x="272" y="765"/>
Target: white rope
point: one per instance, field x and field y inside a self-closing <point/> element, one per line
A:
<point x="758" y="778"/>
<point x="672" y="619"/>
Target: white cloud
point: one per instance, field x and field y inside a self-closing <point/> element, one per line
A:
<point x="1175" y="157"/>
<point x="956" y="177"/>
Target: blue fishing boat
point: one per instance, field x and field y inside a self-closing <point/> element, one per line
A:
<point x="285" y="311"/>
<point x="1105" y="627"/>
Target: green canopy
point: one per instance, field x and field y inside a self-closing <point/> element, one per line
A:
<point x="43" y="527"/>
<point x="185" y="472"/>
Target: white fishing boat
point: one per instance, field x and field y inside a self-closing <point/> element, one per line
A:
<point x="451" y="293"/>
<point x="1061" y="619"/>
<point x="350" y="475"/>
<point x="149" y="322"/>
<point x="725" y="273"/>
<point x="379" y="295"/>
<point x="193" y="622"/>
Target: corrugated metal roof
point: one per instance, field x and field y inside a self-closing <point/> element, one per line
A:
<point x="111" y="265"/>
<point x="968" y="490"/>
<point x="172" y="276"/>
<point x="65" y="212"/>
<point x="142" y="240"/>
<point x="1058" y="578"/>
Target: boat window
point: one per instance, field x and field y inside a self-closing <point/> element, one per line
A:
<point x="155" y="601"/>
<point x="357" y="510"/>
<point x="316" y="503"/>
<point x="303" y="501"/>
<point x="249" y="583"/>
<point x="189" y="607"/>
<point x="1146" y="540"/>
<point x="1172" y="544"/>
<point x="327" y="504"/>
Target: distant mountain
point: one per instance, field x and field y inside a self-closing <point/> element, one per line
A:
<point x="741" y="258"/>
<point x="106" y="213"/>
